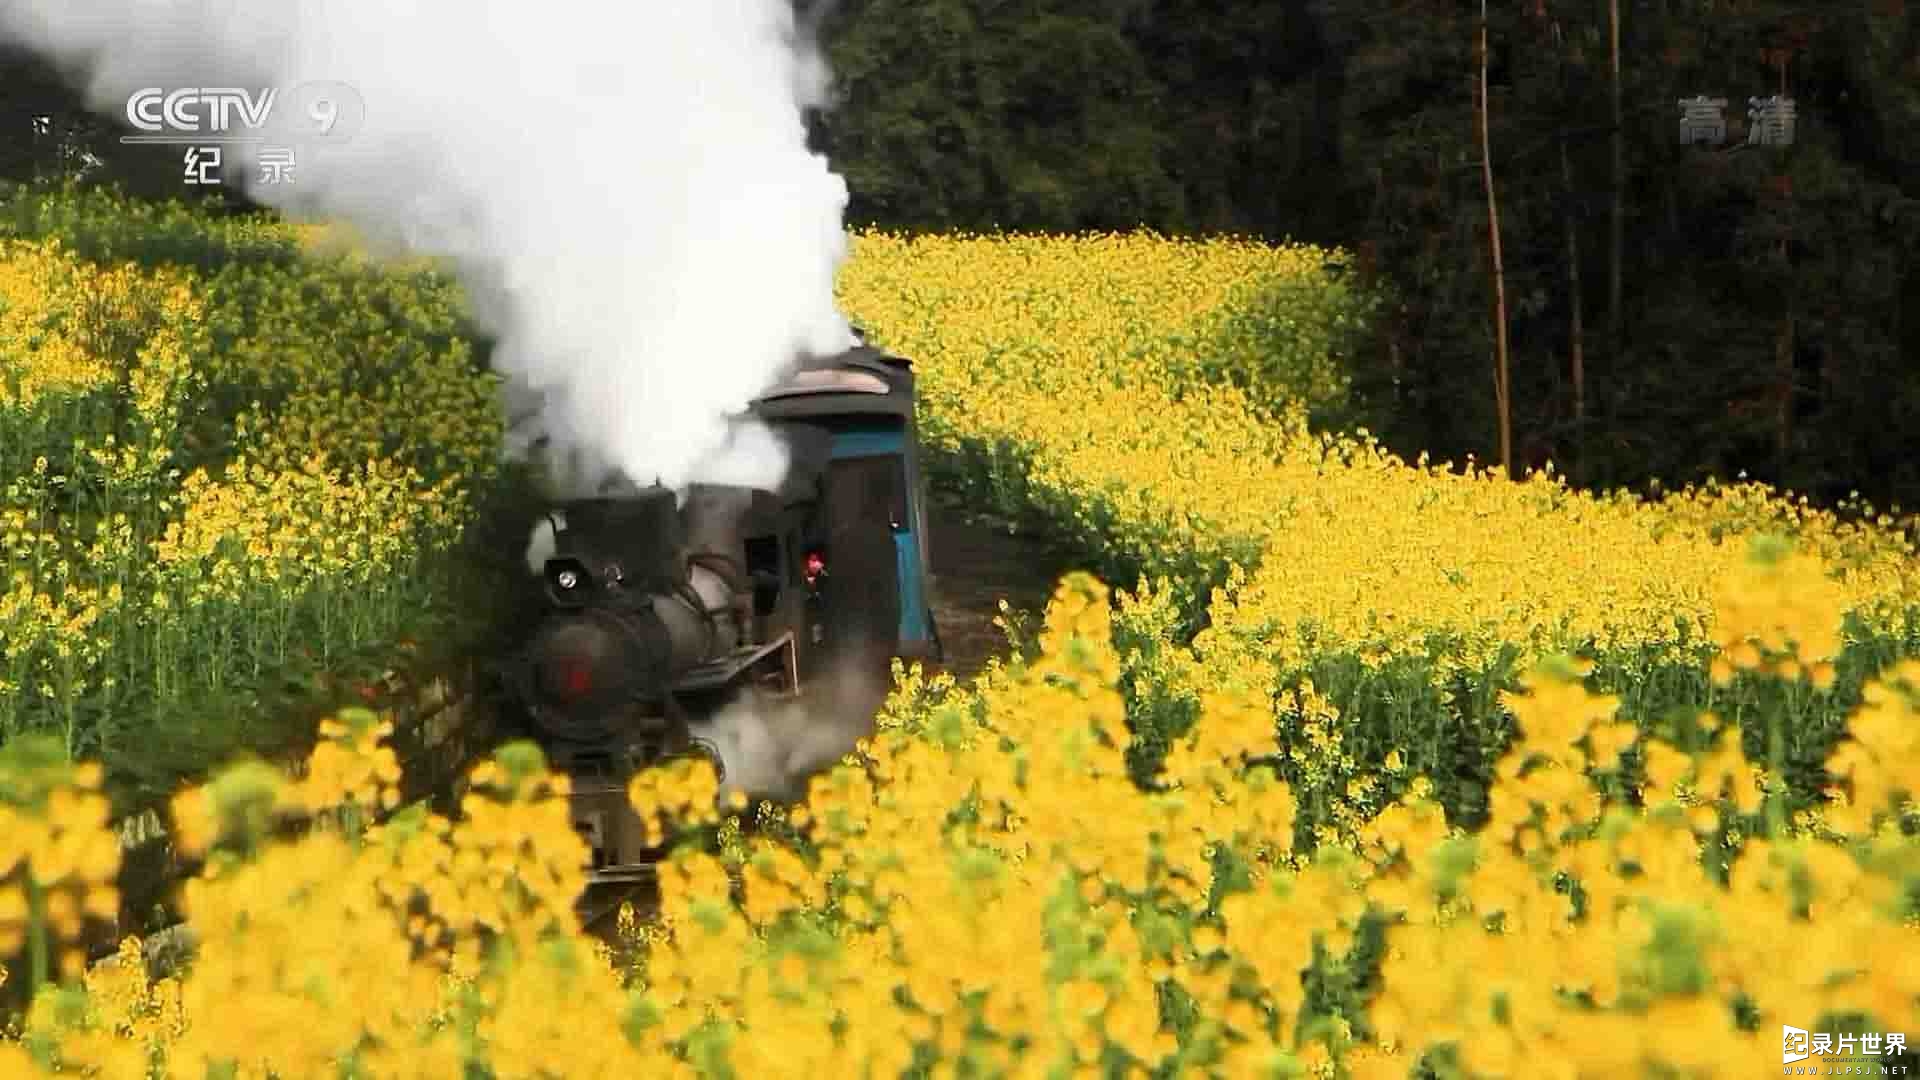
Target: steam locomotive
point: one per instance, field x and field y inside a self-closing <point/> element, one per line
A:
<point x="660" y="610"/>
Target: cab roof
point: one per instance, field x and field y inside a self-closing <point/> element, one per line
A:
<point x="861" y="380"/>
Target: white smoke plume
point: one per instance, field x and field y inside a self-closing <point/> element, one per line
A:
<point x="625" y="189"/>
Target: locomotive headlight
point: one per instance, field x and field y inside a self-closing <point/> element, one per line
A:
<point x="567" y="582"/>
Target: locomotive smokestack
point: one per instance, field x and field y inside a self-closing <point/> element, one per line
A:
<point x="624" y="188"/>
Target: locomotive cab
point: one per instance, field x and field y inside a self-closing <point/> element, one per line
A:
<point x="863" y="400"/>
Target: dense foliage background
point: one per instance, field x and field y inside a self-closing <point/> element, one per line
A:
<point x="1757" y="323"/>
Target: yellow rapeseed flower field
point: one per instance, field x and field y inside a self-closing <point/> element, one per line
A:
<point x="1067" y="361"/>
<point x="222" y="472"/>
<point x="984" y="891"/>
<point x="1382" y="603"/>
<point x="1462" y="776"/>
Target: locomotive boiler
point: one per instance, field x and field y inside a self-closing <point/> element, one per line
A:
<point x="661" y="609"/>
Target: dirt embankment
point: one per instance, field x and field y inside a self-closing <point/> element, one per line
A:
<point x="977" y="562"/>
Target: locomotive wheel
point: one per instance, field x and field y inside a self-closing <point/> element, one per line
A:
<point x="599" y="906"/>
<point x="705" y="748"/>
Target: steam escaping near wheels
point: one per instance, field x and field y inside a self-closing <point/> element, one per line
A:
<point x="771" y="749"/>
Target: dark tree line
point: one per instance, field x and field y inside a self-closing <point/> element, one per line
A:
<point x="1670" y="311"/>
<point x="49" y="137"/>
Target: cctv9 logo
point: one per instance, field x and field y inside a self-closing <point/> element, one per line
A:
<point x="311" y="113"/>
